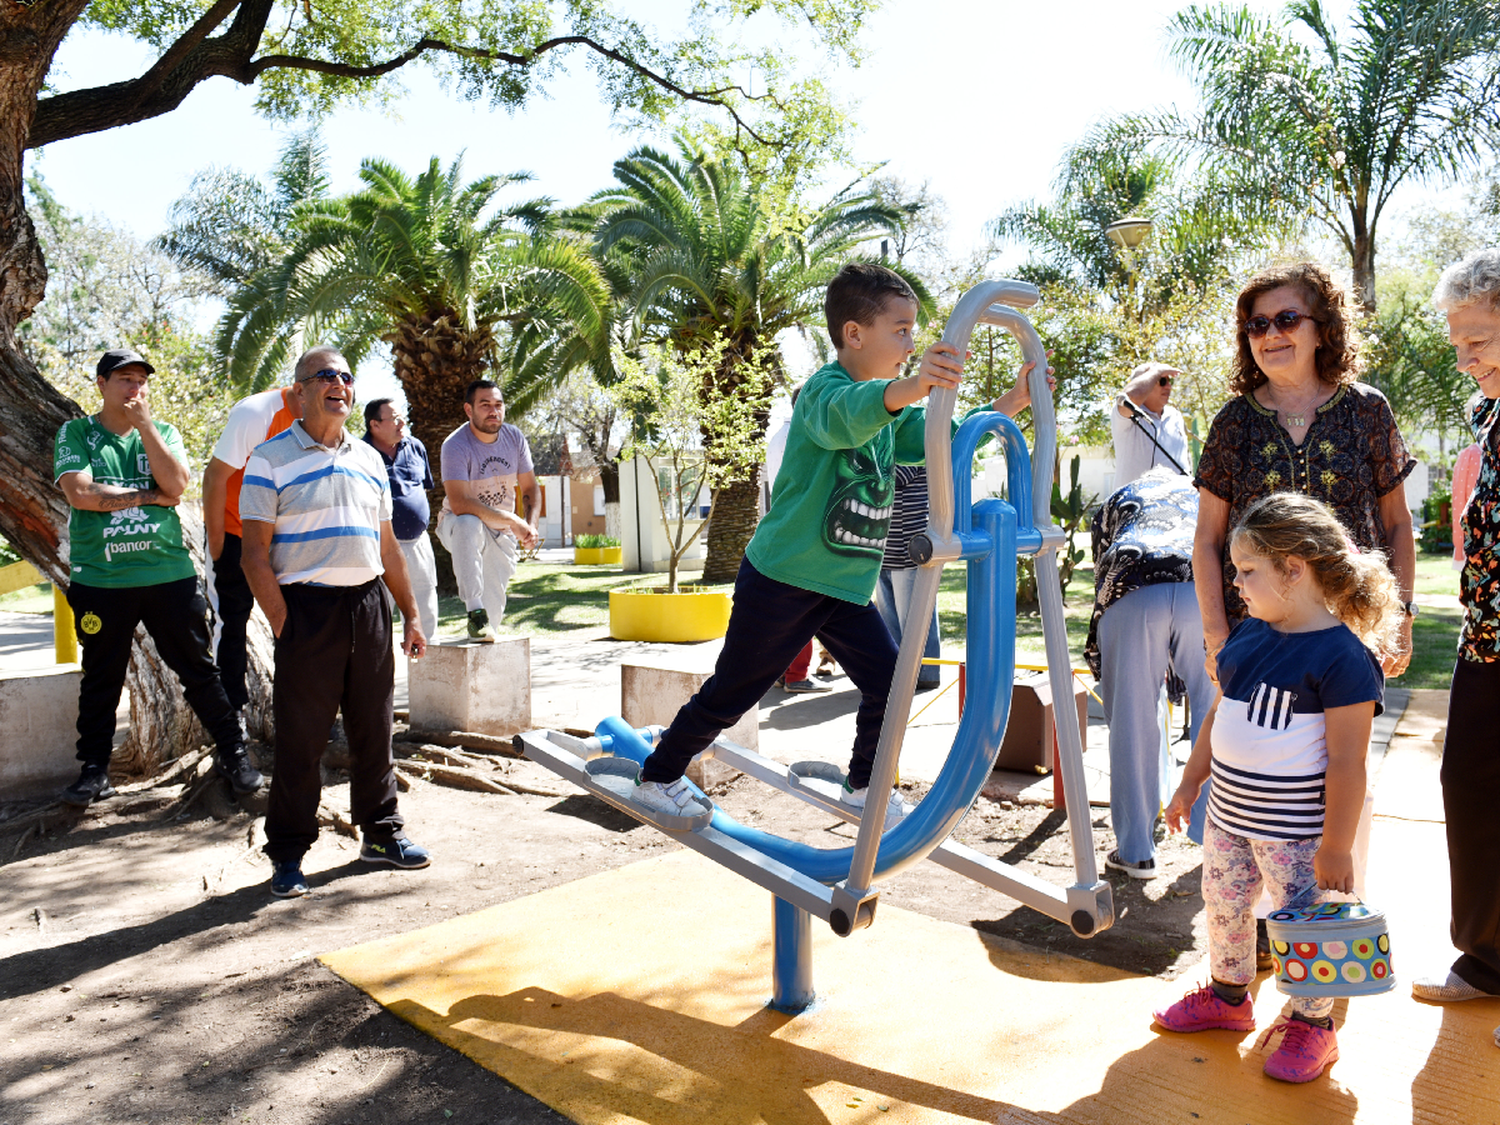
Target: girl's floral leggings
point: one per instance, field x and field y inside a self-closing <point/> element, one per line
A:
<point x="1233" y="869"/>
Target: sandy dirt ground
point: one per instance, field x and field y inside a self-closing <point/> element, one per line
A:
<point x="147" y="975"/>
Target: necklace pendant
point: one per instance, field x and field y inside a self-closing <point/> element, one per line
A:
<point x="1295" y="419"/>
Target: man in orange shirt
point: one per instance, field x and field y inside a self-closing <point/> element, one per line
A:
<point x="253" y="420"/>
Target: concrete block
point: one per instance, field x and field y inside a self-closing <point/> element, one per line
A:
<point x="459" y="685"/>
<point x="652" y="693"/>
<point x="38" y="710"/>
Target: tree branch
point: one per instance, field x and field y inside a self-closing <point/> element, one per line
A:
<point x="195" y="57"/>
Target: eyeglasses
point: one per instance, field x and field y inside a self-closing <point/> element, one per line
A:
<point x="1164" y="381"/>
<point x="1286" y="321"/>
<point x="328" y="375"/>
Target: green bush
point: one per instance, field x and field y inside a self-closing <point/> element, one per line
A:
<point x="594" y="542"/>
<point x="1436" y="534"/>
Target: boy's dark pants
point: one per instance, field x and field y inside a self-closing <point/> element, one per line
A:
<point x="1471" y="787"/>
<point x="768" y="626"/>
<point x="176" y="616"/>
<point x="334" y="651"/>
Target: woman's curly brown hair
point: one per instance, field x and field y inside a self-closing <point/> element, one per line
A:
<point x="1337" y="359"/>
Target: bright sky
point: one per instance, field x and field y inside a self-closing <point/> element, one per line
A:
<point x="979" y="99"/>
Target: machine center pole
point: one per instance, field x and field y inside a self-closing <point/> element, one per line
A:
<point x="791" y="964"/>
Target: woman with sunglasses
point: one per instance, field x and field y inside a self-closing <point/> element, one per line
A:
<point x="1300" y="423"/>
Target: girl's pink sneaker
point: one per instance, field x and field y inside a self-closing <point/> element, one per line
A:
<point x="1306" y="1051"/>
<point x="1203" y="1008"/>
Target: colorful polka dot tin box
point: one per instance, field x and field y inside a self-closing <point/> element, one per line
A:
<point x="1330" y="950"/>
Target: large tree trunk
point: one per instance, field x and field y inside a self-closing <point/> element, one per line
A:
<point x="1364" y="268"/>
<point x="745" y="369"/>
<point x="435" y="360"/>
<point x="736" y="512"/>
<point x="33" y="511"/>
<point x="609" y="477"/>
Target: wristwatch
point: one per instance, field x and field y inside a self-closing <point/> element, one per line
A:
<point x="1411" y="609"/>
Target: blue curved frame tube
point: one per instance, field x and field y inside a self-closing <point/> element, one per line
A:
<point x="991" y="661"/>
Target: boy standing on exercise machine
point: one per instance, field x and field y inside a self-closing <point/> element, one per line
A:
<point x="811" y="567"/>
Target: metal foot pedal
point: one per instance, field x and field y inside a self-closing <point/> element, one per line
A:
<point x="615" y="778"/>
<point x="822" y="779"/>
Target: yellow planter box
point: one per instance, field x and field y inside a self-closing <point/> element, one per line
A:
<point x="598" y="556"/>
<point x="654" y="615"/>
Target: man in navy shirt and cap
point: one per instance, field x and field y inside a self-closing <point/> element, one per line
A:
<point x="410" y="473"/>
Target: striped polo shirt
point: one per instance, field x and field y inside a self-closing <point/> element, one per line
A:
<point x="327" y="505"/>
<point x="1270" y="745"/>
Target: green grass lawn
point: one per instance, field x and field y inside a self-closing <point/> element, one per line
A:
<point x="1434" y="635"/>
<point x="1435" y="631"/>
<point x="548" y="598"/>
<point x="31" y="599"/>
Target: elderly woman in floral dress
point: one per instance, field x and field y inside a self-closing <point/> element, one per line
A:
<point x="1300" y="423"/>
<point x="1469" y="292"/>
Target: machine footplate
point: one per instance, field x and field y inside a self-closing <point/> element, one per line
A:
<point x="616" y="778"/>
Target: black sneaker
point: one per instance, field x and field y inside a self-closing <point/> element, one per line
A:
<point x="287" y="880"/>
<point x="1145" y="869"/>
<point x="233" y="765"/>
<point x="92" y="785"/>
<point x="479" y="627"/>
<point x="399" y="852"/>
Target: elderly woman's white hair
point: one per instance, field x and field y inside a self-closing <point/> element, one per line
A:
<point x="1474" y="280"/>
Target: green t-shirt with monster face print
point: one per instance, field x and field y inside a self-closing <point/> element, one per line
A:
<point x="831" y="506"/>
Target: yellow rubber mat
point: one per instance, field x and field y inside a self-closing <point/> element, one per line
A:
<point x="639" y="995"/>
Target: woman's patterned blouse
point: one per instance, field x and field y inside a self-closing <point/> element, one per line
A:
<point x="1479" y="581"/>
<point x="1352" y="456"/>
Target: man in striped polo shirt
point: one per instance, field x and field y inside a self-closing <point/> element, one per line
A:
<point x="315" y="509"/>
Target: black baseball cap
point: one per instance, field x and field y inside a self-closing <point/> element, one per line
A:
<point x="116" y="358"/>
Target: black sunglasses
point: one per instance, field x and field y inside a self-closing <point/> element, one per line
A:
<point x="1286" y="321"/>
<point x="328" y="375"/>
<point x="1164" y="381"/>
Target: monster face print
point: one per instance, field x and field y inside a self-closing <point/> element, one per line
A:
<point x="859" y="510"/>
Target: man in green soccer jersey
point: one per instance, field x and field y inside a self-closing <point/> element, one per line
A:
<point x="123" y="474"/>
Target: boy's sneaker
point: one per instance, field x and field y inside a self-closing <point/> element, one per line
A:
<point x="803" y="687"/>
<point x="287" y="880"/>
<point x="233" y="765"/>
<point x="1202" y="1009"/>
<point x="1306" y="1051"/>
<point x="1145" y="869"/>
<point x="669" y="798"/>
<point x="1447" y="990"/>
<point x="479" y="627"/>
<point x="853" y="798"/>
<point x="399" y="852"/>
<point x="92" y="785"/>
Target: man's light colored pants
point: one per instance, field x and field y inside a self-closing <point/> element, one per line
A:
<point x="482" y="563"/>
<point x="421" y="568"/>
<point x="1139" y="637"/>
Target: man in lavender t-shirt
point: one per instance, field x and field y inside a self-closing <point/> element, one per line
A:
<point x="486" y="464"/>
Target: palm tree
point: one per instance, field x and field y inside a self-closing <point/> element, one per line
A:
<point x="1201" y="222"/>
<point x="1333" y="126"/>
<point x="230" y="226"/>
<point x="696" y="260"/>
<point x="423" y="265"/>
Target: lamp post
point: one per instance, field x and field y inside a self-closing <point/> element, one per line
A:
<point x="1127" y="234"/>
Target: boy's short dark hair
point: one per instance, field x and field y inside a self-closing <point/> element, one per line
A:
<point x="860" y="292"/>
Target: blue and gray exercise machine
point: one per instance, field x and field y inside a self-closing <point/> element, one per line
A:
<point x="837" y="885"/>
